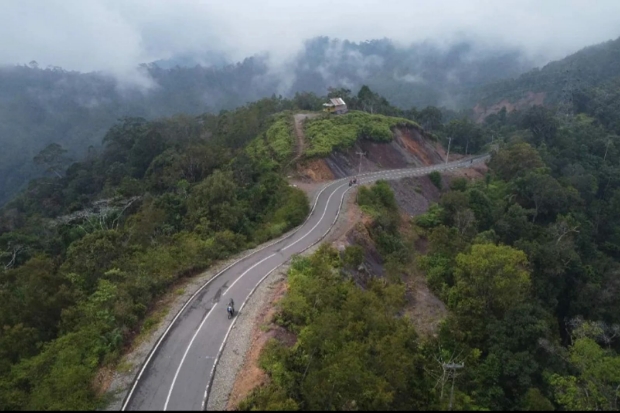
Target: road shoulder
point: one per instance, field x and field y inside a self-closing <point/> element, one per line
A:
<point x="238" y="373"/>
<point x="128" y="367"/>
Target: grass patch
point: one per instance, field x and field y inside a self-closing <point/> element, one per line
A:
<point x="124" y="367"/>
<point x="180" y="291"/>
<point x="149" y="325"/>
<point x="280" y="138"/>
<point x="277" y="145"/>
<point x="327" y="133"/>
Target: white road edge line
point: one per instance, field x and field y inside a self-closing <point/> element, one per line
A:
<point x="154" y="349"/>
<point x="200" y="328"/>
<point x="210" y="381"/>
<point x="248" y="270"/>
<point x="219" y="352"/>
<point x="165" y="333"/>
<point x="317" y="224"/>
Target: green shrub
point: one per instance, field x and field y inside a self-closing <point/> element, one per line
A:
<point x="325" y="134"/>
<point x="435" y="178"/>
<point x="459" y="184"/>
<point x="294" y="209"/>
<point x="353" y="256"/>
<point x="276" y="146"/>
<point x="379" y="196"/>
<point x="431" y="218"/>
<point x="280" y="138"/>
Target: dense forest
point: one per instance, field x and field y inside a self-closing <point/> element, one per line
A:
<point x="86" y="252"/>
<point x="564" y="81"/>
<point x="526" y="261"/>
<point x="87" y="249"/>
<point x="39" y="106"/>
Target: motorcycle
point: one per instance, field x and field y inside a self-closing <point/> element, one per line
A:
<point x="231" y="309"/>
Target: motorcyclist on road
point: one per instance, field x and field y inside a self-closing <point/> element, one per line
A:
<point x="231" y="308"/>
<point x="350" y="182"/>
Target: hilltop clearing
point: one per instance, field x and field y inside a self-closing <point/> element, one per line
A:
<point x="299" y="132"/>
<point x="42" y="105"/>
<point x="333" y="145"/>
<point x="515" y="276"/>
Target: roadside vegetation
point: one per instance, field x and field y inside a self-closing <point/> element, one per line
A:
<point x="353" y="350"/>
<point x="328" y="133"/>
<point x="526" y="261"/>
<point x="276" y="146"/>
<point x="78" y="282"/>
<point x="87" y="250"/>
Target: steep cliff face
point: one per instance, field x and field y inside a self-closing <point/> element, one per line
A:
<point x="409" y="148"/>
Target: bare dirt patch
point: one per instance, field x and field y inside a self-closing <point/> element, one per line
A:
<point x="414" y="195"/>
<point x="299" y="131"/>
<point x="264" y="330"/>
<point x="314" y="170"/>
<point x="424" y="309"/>
<point x="424" y="151"/>
<point x="409" y="148"/>
<point x="531" y="99"/>
<point x="102" y="381"/>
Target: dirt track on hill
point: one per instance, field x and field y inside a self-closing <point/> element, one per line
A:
<point x="299" y="131"/>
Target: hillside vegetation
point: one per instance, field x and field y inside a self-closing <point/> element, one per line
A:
<point x="40" y="106"/>
<point x="563" y="81"/>
<point x="88" y="249"/>
<point x="276" y="146"/>
<point x="85" y="254"/>
<point x="329" y="133"/>
<point x="353" y="350"/>
<point x="526" y="260"/>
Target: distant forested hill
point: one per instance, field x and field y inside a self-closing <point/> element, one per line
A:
<point x="577" y="83"/>
<point x="419" y="75"/>
<point x="39" y="106"/>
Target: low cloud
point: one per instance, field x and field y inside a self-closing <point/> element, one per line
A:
<point x="115" y="36"/>
<point x="409" y="78"/>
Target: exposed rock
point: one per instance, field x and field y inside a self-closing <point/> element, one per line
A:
<point x="531" y="99"/>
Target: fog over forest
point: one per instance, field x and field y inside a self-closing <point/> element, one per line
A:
<point x="146" y="143"/>
<point x="72" y="68"/>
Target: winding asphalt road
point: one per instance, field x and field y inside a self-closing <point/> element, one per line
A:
<point x="179" y="369"/>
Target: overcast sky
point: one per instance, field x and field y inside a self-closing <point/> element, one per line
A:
<point x="116" y="35"/>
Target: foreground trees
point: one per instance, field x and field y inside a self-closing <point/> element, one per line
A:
<point x="83" y="262"/>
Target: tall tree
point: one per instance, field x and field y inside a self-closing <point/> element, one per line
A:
<point x="53" y="159"/>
